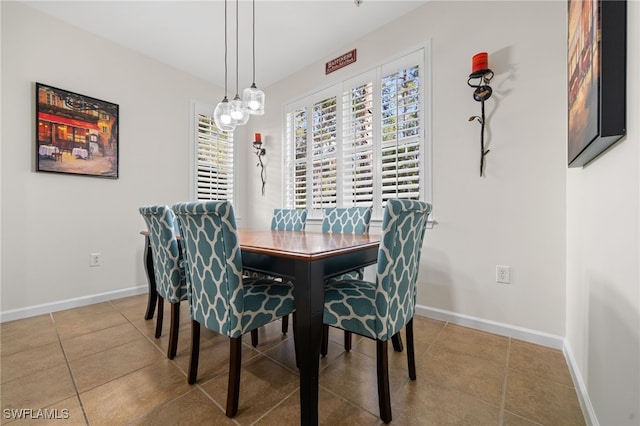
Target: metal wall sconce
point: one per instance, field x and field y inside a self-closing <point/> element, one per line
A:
<point x="480" y="71"/>
<point x="260" y="152"/>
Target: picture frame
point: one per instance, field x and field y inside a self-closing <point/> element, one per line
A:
<point x="596" y="74"/>
<point x="75" y="134"/>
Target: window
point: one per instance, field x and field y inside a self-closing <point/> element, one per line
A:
<point x="213" y="159"/>
<point x="360" y="142"/>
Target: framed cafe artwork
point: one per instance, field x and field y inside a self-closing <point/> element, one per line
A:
<point x="75" y="134"/>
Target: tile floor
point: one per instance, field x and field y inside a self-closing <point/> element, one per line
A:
<point x="101" y="365"/>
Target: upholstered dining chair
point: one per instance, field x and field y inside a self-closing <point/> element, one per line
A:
<point x="379" y="310"/>
<point x="219" y="297"/>
<point x="344" y="220"/>
<point x="282" y="220"/>
<point x="167" y="268"/>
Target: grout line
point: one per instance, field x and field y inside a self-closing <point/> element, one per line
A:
<point x="73" y="380"/>
<point x="503" y="396"/>
<point x="276" y="405"/>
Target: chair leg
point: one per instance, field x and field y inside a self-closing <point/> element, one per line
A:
<point x="347" y="340"/>
<point x="324" y="346"/>
<point x="295" y="341"/>
<point x="173" y="331"/>
<point x="396" y="339"/>
<point x="254" y="337"/>
<point x="233" y="388"/>
<point x="411" y="359"/>
<point x="285" y="324"/>
<point x="195" y="351"/>
<point x="160" y="316"/>
<point x="384" y="396"/>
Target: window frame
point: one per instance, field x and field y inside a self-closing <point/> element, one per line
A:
<point x="384" y="68"/>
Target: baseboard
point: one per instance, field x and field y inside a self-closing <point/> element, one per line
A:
<point x="520" y="333"/>
<point x="61" y="305"/>
<point x="581" y="389"/>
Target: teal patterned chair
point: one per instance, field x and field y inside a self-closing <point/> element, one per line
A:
<point x="282" y="220"/>
<point x="380" y="310"/>
<point x="289" y="219"/>
<point x="344" y="220"/>
<point x="167" y="267"/>
<point x="219" y="297"/>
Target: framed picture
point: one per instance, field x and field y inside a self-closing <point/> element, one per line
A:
<point x="75" y="134"/>
<point x="596" y="54"/>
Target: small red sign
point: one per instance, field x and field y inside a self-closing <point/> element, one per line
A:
<point x="340" y="62"/>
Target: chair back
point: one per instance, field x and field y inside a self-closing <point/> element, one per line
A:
<point x="403" y="228"/>
<point x="289" y="219"/>
<point x="167" y="262"/>
<point x="214" y="265"/>
<point x="348" y="220"/>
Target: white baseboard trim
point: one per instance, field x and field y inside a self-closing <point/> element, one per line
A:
<point x="46" y="308"/>
<point x="520" y="333"/>
<point x="581" y="389"/>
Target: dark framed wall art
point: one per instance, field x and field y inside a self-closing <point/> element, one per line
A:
<point x="596" y="55"/>
<point x="75" y="134"/>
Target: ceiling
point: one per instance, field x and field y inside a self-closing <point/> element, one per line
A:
<point x="189" y="35"/>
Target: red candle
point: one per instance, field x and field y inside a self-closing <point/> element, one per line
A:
<point x="257" y="137"/>
<point x="480" y="62"/>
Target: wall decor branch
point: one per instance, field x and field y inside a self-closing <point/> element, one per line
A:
<point x="260" y="152"/>
<point x="479" y="79"/>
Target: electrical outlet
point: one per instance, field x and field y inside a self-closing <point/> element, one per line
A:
<point x="503" y="274"/>
<point x="94" y="259"/>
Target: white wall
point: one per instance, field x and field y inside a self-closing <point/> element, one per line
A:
<point x="603" y="258"/>
<point x="516" y="214"/>
<point x="51" y="222"/>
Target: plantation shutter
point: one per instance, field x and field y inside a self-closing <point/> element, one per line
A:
<point x="296" y="159"/>
<point x="214" y="162"/>
<point x="324" y="153"/>
<point x="358" y="147"/>
<point x="400" y="134"/>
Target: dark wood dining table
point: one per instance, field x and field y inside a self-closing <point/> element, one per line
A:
<point x="307" y="258"/>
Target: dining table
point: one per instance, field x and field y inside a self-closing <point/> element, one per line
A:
<point x="307" y="259"/>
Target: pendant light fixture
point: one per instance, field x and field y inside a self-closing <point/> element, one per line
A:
<point x="222" y="113"/>
<point x="239" y="112"/>
<point x="252" y="97"/>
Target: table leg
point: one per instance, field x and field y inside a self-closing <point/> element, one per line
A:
<point x="309" y="294"/>
<point x="151" y="279"/>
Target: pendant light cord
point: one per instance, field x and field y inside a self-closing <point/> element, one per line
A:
<point x="236" y="47"/>
<point x="225" y="48"/>
<point x="254" y="42"/>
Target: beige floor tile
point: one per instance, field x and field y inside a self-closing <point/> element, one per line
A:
<point x="472" y="342"/>
<point x="355" y="378"/>
<point x="539" y="361"/>
<point x="510" y="419"/>
<point x="285" y="354"/>
<point x="477" y="377"/>
<point x="192" y="408"/>
<point x="87" y="319"/>
<point x="270" y="335"/>
<point x="332" y="410"/>
<point x="38" y="390"/>
<point x="263" y="384"/>
<point x="102" y="367"/>
<point x="92" y="343"/>
<point x="18" y="335"/>
<point x="31" y="361"/>
<point x="214" y="358"/>
<point x="135" y="394"/>
<point x="421" y="402"/>
<point x="541" y="400"/>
